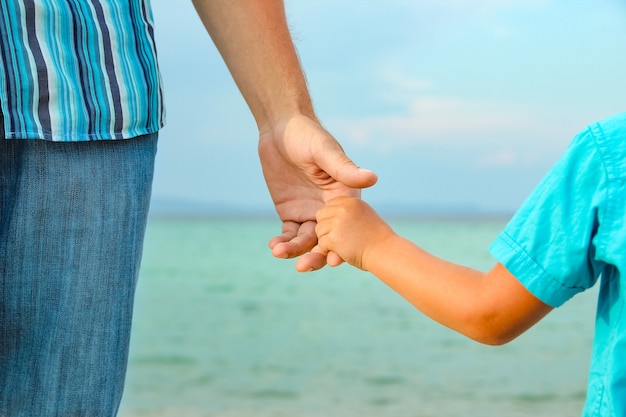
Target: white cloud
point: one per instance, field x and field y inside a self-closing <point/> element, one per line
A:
<point x="499" y="158"/>
<point x="447" y="19"/>
<point x="449" y="121"/>
<point x="472" y="7"/>
<point x="395" y="79"/>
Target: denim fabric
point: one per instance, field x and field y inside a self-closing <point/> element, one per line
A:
<point x="72" y="221"/>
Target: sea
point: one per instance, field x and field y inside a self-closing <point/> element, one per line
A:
<point x="223" y="329"/>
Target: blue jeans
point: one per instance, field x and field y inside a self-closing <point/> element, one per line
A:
<point x="72" y="222"/>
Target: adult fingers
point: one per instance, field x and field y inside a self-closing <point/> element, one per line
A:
<point x="296" y="239"/>
<point x="311" y="261"/>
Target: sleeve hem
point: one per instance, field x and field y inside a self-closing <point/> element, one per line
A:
<point x="529" y="273"/>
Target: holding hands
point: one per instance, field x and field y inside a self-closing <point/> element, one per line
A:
<point x="305" y="167"/>
<point x="349" y="230"/>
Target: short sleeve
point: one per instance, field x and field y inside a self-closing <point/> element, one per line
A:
<point x="549" y="243"/>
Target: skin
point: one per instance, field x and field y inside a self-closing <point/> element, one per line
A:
<point x="490" y="307"/>
<point x="304" y="166"/>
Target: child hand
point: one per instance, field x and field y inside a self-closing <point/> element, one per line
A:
<point x="350" y="229"/>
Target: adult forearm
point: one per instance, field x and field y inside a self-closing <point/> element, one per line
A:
<point x="254" y="41"/>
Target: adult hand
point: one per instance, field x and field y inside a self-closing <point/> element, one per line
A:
<point x="304" y="167"/>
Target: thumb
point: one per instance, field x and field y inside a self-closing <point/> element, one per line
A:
<point x="343" y="170"/>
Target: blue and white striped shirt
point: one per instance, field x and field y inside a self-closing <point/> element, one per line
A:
<point x="74" y="70"/>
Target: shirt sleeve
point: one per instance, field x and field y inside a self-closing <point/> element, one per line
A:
<point x="548" y="244"/>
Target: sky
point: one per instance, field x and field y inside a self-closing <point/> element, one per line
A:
<point x="456" y="105"/>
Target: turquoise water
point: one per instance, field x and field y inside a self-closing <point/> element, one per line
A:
<point x="223" y="329"/>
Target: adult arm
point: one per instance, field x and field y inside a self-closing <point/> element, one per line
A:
<point x="492" y="307"/>
<point x="303" y="165"/>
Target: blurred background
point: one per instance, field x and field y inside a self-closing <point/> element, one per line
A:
<point x="461" y="107"/>
<point x="457" y="105"/>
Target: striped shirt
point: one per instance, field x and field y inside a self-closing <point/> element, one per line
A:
<point x="75" y="70"/>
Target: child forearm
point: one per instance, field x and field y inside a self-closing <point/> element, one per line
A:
<point x="491" y="308"/>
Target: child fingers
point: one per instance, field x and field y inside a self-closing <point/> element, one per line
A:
<point x="333" y="259"/>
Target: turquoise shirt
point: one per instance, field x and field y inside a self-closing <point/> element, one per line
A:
<point x="570" y="233"/>
<point x="78" y="70"/>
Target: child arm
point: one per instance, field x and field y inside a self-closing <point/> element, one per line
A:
<point x="491" y="308"/>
